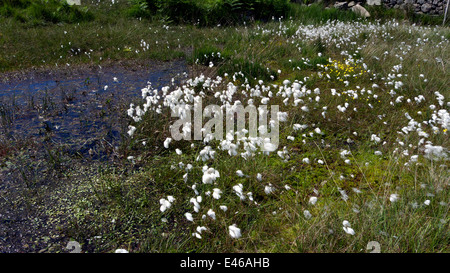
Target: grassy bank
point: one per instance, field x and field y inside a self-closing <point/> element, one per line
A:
<point x="364" y="139"/>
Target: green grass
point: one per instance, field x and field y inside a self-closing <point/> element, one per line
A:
<point x="43" y="12"/>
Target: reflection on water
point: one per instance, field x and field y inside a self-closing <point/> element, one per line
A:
<point x="79" y="110"/>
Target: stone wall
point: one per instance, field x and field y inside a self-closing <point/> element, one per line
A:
<point x="432" y="7"/>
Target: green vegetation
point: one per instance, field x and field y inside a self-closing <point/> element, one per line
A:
<point x="40" y="12"/>
<point x="212" y="12"/>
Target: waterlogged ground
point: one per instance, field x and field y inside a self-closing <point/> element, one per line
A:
<point x="54" y="122"/>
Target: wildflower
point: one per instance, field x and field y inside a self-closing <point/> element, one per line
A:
<point x="200" y="229"/>
<point x="210" y="175"/>
<point x="216" y="193"/>
<point x="375" y="138"/>
<point x="427" y="202"/>
<point x="307" y="214"/>
<point x="121" y="250"/>
<point x="131" y="130"/>
<point x="259" y="177"/>
<point x="434" y="152"/>
<point x="189" y="216"/>
<point x="196" y="204"/>
<point x="347" y="228"/>
<point x="312" y="200"/>
<point x="235" y="232"/>
<point x="166" y="203"/>
<point x="239" y="173"/>
<point x="224" y="208"/>
<point x="211" y="214"/>
<point x="393" y="197"/>
<point x="239" y="191"/>
<point x="344" y="195"/>
<point x="167" y="142"/>
<point x="178" y="151"/>
<point x="269" y="189"/>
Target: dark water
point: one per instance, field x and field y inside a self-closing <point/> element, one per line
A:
<point x="75" y="108"/>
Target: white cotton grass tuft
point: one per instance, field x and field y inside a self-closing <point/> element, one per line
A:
<point x="216" y="193"/>
<point x="234" y="231"/>
<point x="347" y="228"/>
<point x="269" y="189"/>
<point x="131" y="130"/>
<point x="166" y="203"/>
<point x="189" y="216"/>
<point x="167" y="142"/>
<point x="312" y="200"/>
<point x="210" y="175"/>
<point x="211" y="214"/>
<point x="259" y="177"/>
<point x="239" y="190"/>
<point x="393" y="197"/>
<point x="307" y="214"/>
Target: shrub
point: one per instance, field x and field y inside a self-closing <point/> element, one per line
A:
<point x="211" y="12"/>
<point x="44" y="11"/>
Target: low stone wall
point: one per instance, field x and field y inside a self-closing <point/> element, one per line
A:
<point x="432" y="7"/>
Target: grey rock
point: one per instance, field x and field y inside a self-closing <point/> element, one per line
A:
<point x="341" y="5"/>
<point x="426" y="8"/>
<point x="373" y="2"/>
<point x="358" y="9"/>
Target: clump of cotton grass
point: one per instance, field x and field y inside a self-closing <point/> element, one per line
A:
<point x="166" y="203"/>
<point x="347" y="228"/>
<point x="234" y="231"/>
<point x="209" y="175"/>
<point x="394" y="197"/>
<point x="294" y="94"/>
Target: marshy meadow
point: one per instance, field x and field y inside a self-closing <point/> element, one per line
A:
<point x="90" y="93"/>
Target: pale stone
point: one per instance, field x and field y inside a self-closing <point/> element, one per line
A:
<point x="426" y="7"/>
<point x="358" y="9"/>
<point x="73" y="2"/>
<point x="373" y="2"/>
<point x="341" y="5"/>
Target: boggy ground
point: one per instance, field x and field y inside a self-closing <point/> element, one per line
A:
<point x="58" y="126"/>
